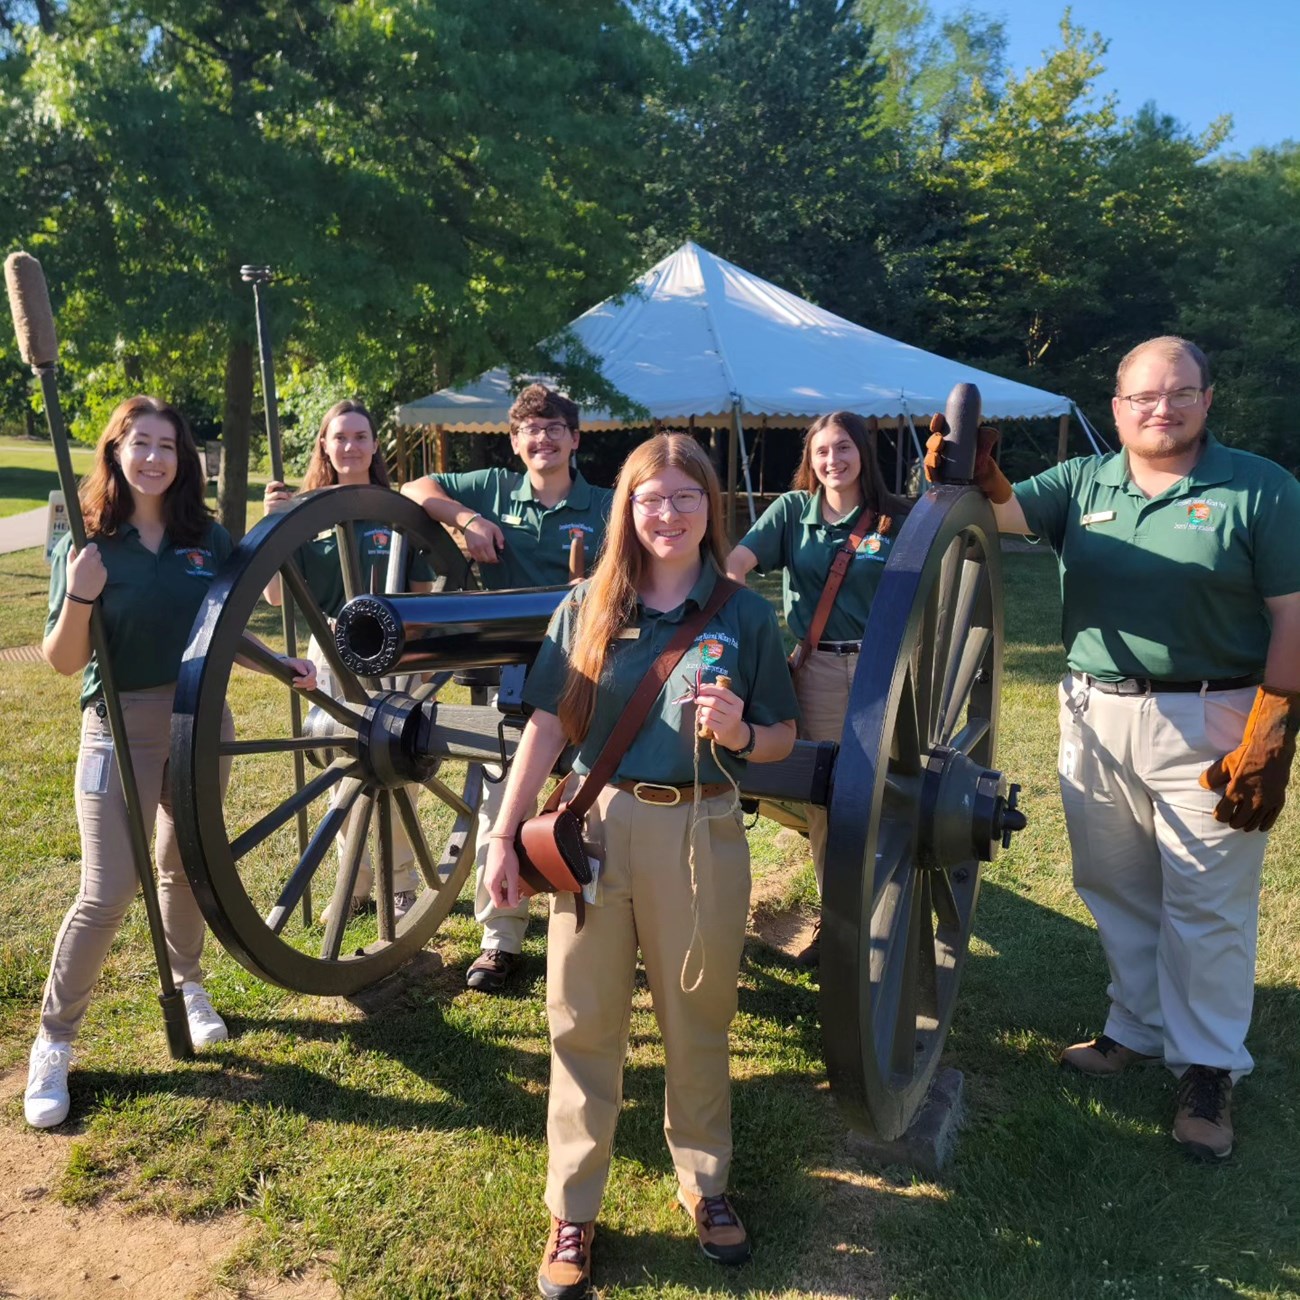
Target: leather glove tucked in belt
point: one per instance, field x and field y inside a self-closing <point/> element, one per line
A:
<point x="988" y="477"/>
<point x="1256" y="772"/>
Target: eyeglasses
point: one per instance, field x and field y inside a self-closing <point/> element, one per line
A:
<point x="685" y="501"/>
<point x="1145" y="403"/>
<point x="556" y="429"/>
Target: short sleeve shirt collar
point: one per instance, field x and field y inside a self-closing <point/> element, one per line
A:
<point x="578" y="498"/>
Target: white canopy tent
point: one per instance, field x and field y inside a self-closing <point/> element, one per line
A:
<point x="698" y="338"/>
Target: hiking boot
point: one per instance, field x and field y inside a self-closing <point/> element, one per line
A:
<point x="811" y="956"/>
<point x="403" y="901"/>
<point x="1102" y="1056"/>
<point x="45" y="1103"/>
<point x="565" y="1273"/>
<point x="1204" y="1120"/>
<point x="491" y="969"/>
<point x="722" y="1235"/>
<point x="205" y="1025"/>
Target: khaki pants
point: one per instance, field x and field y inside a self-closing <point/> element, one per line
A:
<point x="1175" y="894"/>
<point x="406" y="876"/>
<point x="108" y="878"/>
<point x="822" y="687"/>
<point x="645" y="901"/>
<point x="503" y="927"/>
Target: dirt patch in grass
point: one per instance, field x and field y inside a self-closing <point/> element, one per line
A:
<point x="772" y="921"/>
<point x="52" y="1252"/>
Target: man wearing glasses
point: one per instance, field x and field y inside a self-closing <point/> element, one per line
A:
<point x="1180" y="584"/>
<point x="524" y="530"/>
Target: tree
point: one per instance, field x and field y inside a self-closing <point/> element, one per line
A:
<point x="423" y="191"/>
<point x="1064" y="227"/>
<point x="1242" y="300"/>
<point x="767" y="147"/>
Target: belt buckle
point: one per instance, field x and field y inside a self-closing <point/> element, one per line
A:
<point x="651" y="785"/>
<point x="1134" y="686"/>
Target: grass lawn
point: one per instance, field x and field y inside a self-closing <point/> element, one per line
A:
<point x="404" y="1153"/>
<point x="27" y="473"/>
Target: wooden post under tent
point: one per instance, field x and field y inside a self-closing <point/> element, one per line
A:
<point x="699" y="342"/>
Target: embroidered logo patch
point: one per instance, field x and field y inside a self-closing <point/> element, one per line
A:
<point x="1200" y="515"/>
<point x="198" y="562"/>
<point x="379" y="538"/>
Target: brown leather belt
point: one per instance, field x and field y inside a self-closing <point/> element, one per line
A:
<point x="668" y="796"/>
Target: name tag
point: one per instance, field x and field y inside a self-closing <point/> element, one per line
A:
<point x="629" y="634"/>
<point x="1100" y="517"/>
<point x="511" y="519"/>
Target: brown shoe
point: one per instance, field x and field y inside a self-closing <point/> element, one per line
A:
<point x="491" y="970"/>
<point x="1204" y="1120"/>
<point x="722" y="1235"/>
<point x="565" y="1273"/>
<point x="1102" y="1056"/>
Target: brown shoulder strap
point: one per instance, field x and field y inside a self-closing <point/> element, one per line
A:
<point x="839" y="567"/>
<point x="643" y="698"/>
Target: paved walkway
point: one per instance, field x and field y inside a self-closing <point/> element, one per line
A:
<point x="18" y="532"/>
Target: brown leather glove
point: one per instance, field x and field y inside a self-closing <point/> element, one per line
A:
<point x="1256" y="772"/>
<point x="989" y="478"/>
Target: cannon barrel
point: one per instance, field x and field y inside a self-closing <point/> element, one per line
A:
<point x="378" y="635"/>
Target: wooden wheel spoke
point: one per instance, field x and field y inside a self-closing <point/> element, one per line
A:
<point x="907" y="730"/>
<point x="354" y="847"/>
<point x="407" y="814"/>
<point x="313" y="855"/>
<point x="893" y="857"/>
<point x="273" y="666"/>
<point x="890" y="933"/>
<point x="384" y="868"/>
<point x="945" y="902"/>
<point x="346" y="679"/>
<point x="970" y="581"/>
<point x="970" y="735"/>
<point x="427" y="690"/>
<point x="965" y="668"/>
<point x="449" y="797"/>
<point x="286" y="745"/>
<point x="947" y="601"/>
<point x="345" y="534"/>
<point x="268" y="825"/>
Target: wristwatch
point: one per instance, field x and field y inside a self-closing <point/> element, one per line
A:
<point x="748" y="747"/>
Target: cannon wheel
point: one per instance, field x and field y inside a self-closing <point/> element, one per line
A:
<point x="901" y="881"/>
<point x="248" y="872"/>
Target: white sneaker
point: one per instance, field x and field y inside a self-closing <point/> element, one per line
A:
<point x="402" y="903"/>
<point x="205" y="1025"/>
<point x="357" y="906"/>
<point x="45" y="1103"/>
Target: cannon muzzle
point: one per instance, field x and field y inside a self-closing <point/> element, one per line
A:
<point x="378" y="635"/>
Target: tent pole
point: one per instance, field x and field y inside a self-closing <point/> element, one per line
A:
<point x="440" y="448"/>
<point x="731" y="480"/>
<point x="744" y="463"/>
<point x="1063" y="439"/>
<point x="403" y="467"/>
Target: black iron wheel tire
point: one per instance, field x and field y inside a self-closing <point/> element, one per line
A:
<point x="898" y="901"/>
<point x="248" y="878"/>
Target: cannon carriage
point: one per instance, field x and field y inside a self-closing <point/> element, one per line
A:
<point x="915" y="805"/>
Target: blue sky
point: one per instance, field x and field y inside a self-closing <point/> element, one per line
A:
<point x="1196" y="58"/>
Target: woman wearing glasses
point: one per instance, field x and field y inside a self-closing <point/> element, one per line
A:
<point x="800" y="533"/>
<point x="346" y="454"/>
<point x="674" y="879"/>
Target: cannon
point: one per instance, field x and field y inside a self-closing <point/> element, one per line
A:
<point x="915" y="805"/>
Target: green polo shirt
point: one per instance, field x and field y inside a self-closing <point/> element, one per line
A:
<point x="149" y="604"/>
<point x="793" y="536"/>
<point x="1172" y="587"/>
<point x="323" y="573"/>
<point x="537" y="538"/>
<point x="742" y="641"/>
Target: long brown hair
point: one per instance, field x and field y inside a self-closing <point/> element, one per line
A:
<point x="875" y="495"/>
<point x="105" y="495"/>
<point x="320" y="471"/>
<point x="611" y="596"/>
